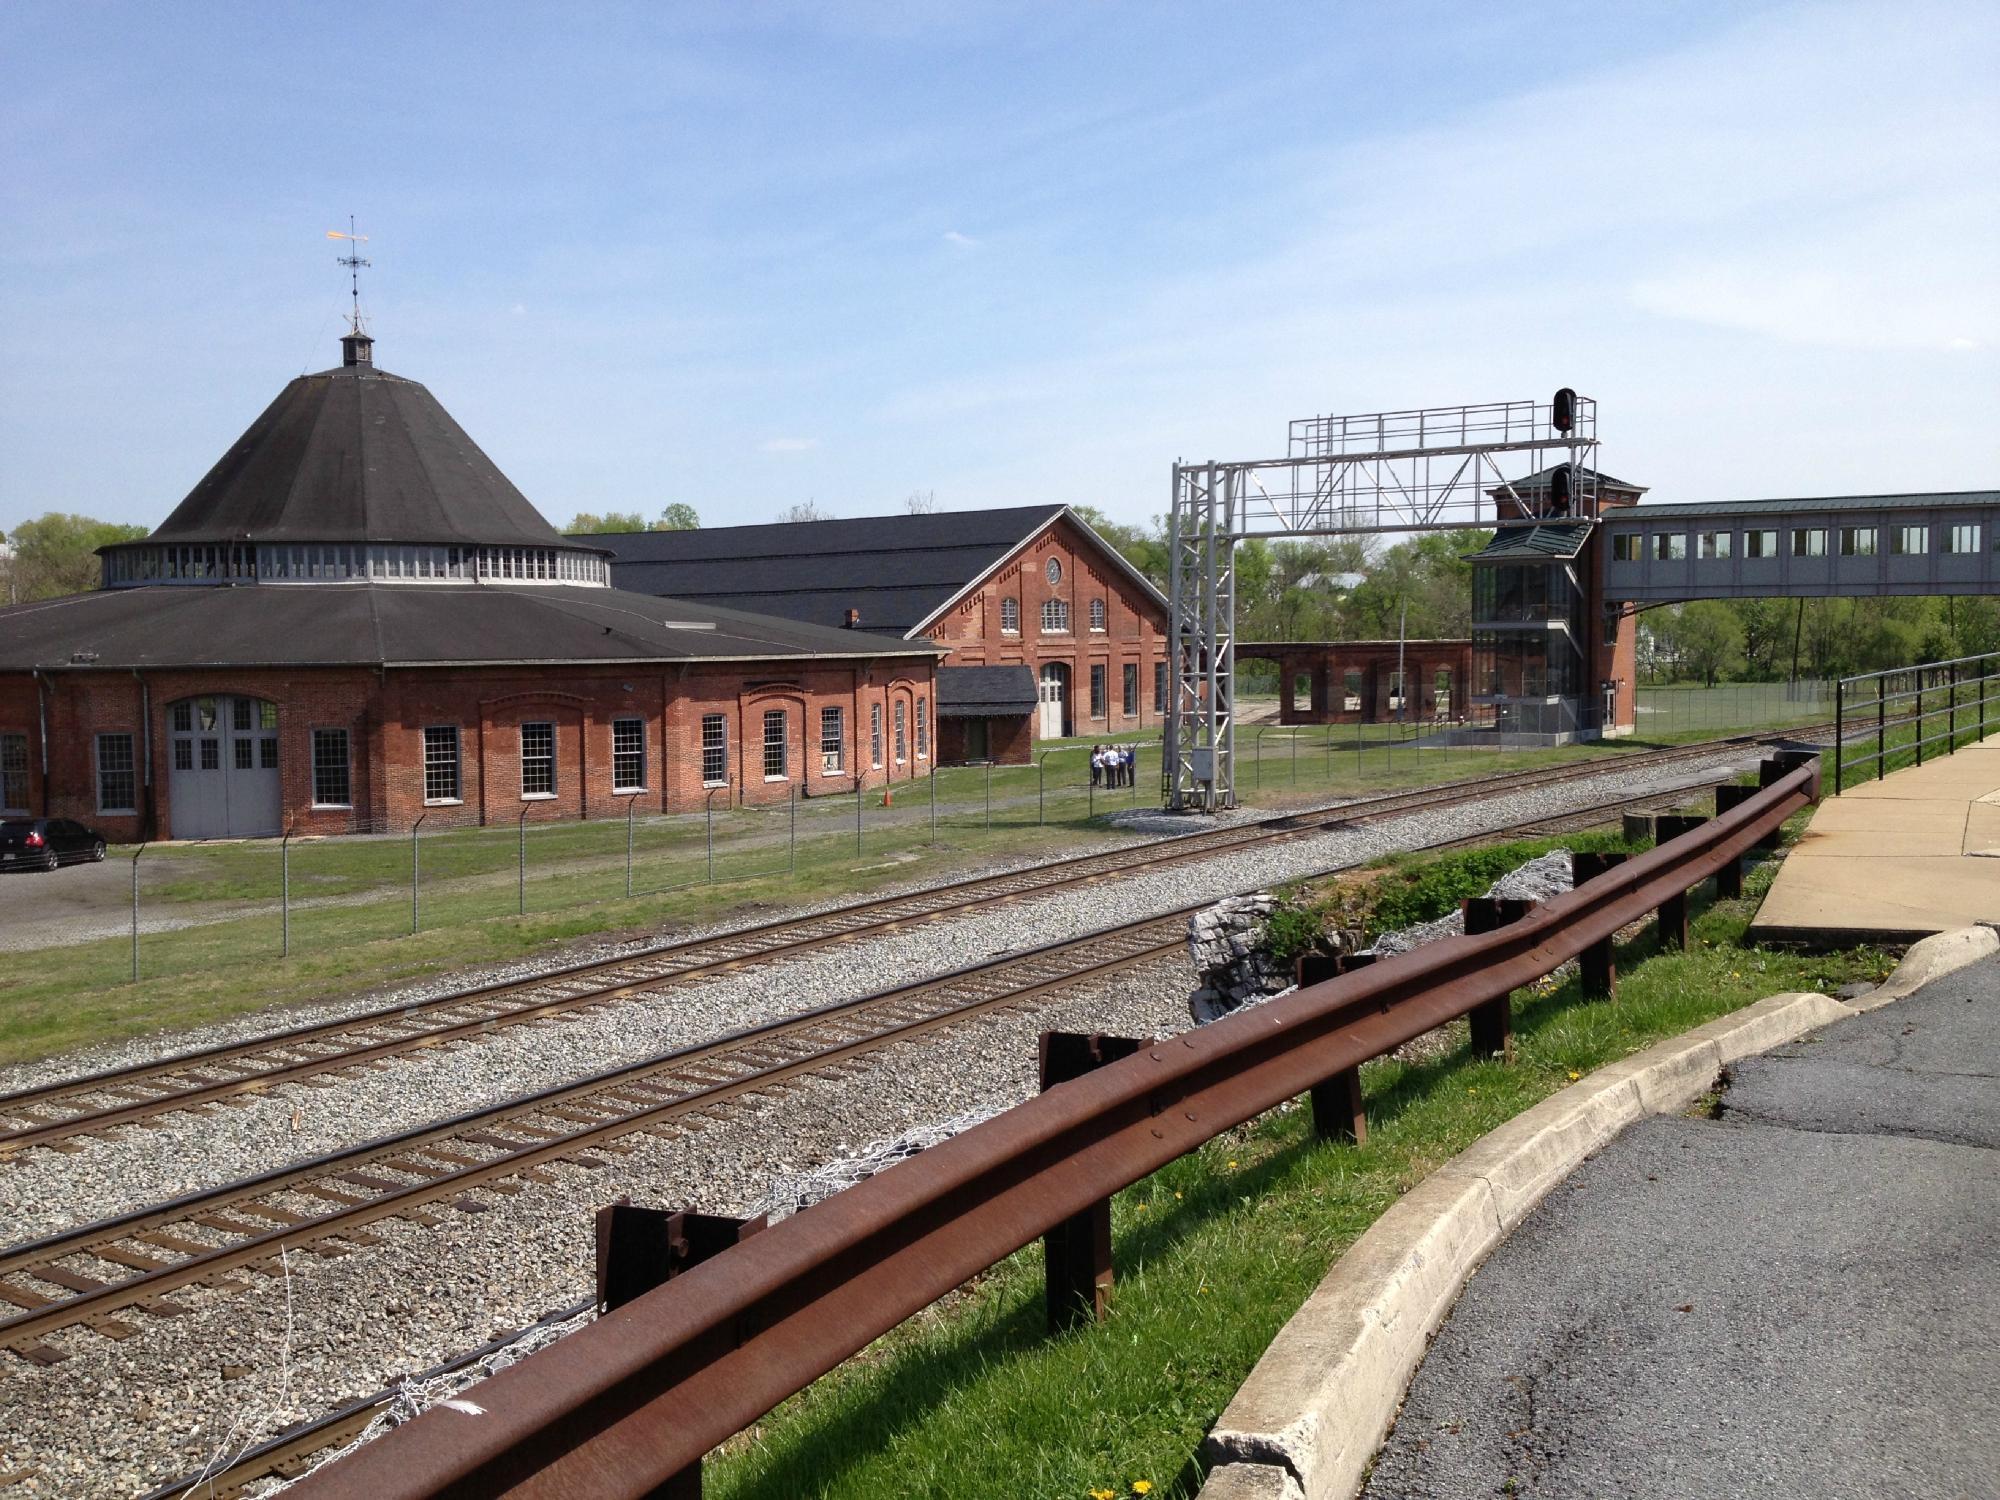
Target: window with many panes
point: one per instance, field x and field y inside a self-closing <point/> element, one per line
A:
<point x="538" y="760"/>
<point x="1010" y="616"/>
<point x="246" y="755"/>
<point x="1857" y="541"/>
<point x="14" y="772"/>
<point x="875" y="735"/>
<point x="1809" y="541"/>
<point x="1097" y="675"/>
<point x="1131" y="695"/>
<point x="832" y="740"/>
<point x="628" y="755"/>
<point x="1670" y="546"/>
<point x="1625" y="547"/>
<point x="1713" y="546"/>
<point x="923" y="729"/>
<point x="117" y="774"/>
<point x="1159" y="687"/>
<point x="1910" y="541"/>
<point x="332" y="786"/>
<point x="1055" y="616"/>
<point x="714" y="750"/>
<point x="1097" y="616"/>
<point x="902" y="731"/>
<point x="1760" y="544"/>
<point x="775" y="747"/>
<point x="441" y="763"/>
<point x="1961" y="538"/>
<point x="211" y="755"/>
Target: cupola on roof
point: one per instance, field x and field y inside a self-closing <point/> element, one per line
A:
<point x="356" y="454"/>
<point x="354" y="475"/>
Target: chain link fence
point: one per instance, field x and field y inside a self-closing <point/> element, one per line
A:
<point x="1732" y="705"/>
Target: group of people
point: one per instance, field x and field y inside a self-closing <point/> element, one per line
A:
<point x="1112" y="765"/>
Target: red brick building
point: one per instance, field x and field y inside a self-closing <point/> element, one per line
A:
<point x="1340" y="682"/>
<point x="1050" y="631"/>
<point x="355" y="620"/>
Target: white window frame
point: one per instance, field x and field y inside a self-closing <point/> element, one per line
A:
<point x="718" y="747"/>
<point x="923" y="729"/>
<point x="875" y="736"/>
<point x="129" y="769"/>
<point x="1668" y="546"/>
<point x="1100" y="689"/>
<point x="1010" y="616"/>
<point x="832" y="740"/>
<point x="545" y="761"/>
<point x="1857" y="541"/>
<point x="628" y="725"/>
<point x="346" y="766"/>
<point x="1966" y="532"/>
<point x="9" y="771"/>
<point x="457" y="796"/>
<point x="1761" y="542"/>
<point x="1901" y="537"/>
<point x="1099" y="617"/>
<point x="1809" y="541"/>
<point x="1713" y="546"/>
<point x="902" y="718"/>
<point x="1055" y="617"/>
<point x="783" y="744"/>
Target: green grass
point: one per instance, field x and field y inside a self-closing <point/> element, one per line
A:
<point x="1214" y="1253"/>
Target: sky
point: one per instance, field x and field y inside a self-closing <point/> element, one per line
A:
<point x="746" y="255"/>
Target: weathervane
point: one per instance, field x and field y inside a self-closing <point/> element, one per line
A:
<point x="354" y="262"/>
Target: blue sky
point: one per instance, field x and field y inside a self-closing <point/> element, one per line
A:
<point x="746" y="255"/>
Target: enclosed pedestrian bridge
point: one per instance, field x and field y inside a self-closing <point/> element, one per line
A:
<point x="1850" y="545"/>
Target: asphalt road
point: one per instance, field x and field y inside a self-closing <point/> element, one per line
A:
<point x="1799" y="1299"/>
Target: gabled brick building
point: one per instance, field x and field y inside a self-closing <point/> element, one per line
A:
<point x="355" y="621"/>
<point x="1050" y="631"/>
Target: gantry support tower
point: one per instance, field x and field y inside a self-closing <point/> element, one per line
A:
<point x="1435" y="469"/>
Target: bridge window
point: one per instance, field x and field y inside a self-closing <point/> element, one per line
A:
<point x="1760" y="544"/>
<point x="1857" y="541"/>
<point x="1962" y="539"/>
<point x="1809" y="541"/>
<point x="1670" y="546"/>
<point x="1910" y="541"/>
<point x="1714" y="545"/>
<point x="1625" y="547"/>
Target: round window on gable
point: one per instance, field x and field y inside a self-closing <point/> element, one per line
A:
<point x="1055" y="570"/>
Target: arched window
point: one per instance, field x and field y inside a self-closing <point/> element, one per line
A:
<point x="1010" y="616"/>
<point x="1097" y="615"/>
<point x="1055" y="616"/>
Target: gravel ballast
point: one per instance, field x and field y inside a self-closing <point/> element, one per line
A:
<point x="121" y="1414"/>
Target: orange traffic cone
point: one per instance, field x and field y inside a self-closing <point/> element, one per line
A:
<point x="888" y="796"/>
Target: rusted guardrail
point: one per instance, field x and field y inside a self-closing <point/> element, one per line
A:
<point x="629" y="1405"/>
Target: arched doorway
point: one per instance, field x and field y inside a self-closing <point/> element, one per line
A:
<point x="222" y="768"/>
<point x="1054" y="694"/>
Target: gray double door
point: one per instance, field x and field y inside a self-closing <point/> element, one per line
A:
<point x="222" y="768"/>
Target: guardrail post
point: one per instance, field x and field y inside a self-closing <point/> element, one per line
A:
<point x="1729" y="881"/>
<point x="1338" y="1114"/>
<point x="639" y="1249"/>
<point x="416" y="879"/>
<point x="1076" y="1254"/>
<point x="1839" y="736"/>
<point x="1672" y="918"/>
<point x="1493" y="1022"/>
<point x="1881" y="730"/>
<point x="1599" y="962"/>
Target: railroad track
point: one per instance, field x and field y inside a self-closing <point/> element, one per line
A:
<point x="57" y="1115"/>
<point x="698" y="1071"/>
<point x="99" y="1275"/>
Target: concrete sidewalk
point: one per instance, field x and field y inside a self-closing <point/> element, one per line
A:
<point x="1800" y="1298"/>
<point x="1895" y="860"/>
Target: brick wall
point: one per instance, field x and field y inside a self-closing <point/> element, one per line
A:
<point x="1133" y="634"/>
<point x="387" y="713"/>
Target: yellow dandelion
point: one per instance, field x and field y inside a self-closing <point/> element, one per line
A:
<point x="1142" y="1486"/>
<point x="1177" y="1195"/>
<point x="1574" y="1075"/>
<point x="1102" y="1495"/>
<point x="1232" y="1163"/>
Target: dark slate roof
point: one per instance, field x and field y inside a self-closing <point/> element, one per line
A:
<point x="356" y="454"/>
<point x="899" y="571"/>
<point x="984" y="692"/>
<point x="402" y="625"/>
<point x="1936" y="500"/>
<point x="1550" y="539"/>
<point x="1534" y="483"/>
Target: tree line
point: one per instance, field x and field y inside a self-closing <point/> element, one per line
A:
<point x="1771" y="640"/>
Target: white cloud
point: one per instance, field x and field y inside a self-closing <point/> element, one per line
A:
<point x="791" y="445"/>
<point x="960" y="241"/>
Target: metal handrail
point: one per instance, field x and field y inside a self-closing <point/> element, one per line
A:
<point x="1933" y="678"/>
<point x="639" y="1396"/>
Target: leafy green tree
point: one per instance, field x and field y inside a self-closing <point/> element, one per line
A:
<point x="586" y="524"/>
<point x="56" y="554"/>
<point x="1707" y="637"/>
<point x="680" y="516"/>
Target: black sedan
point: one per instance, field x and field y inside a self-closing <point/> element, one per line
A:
<point x="44" y="843"/>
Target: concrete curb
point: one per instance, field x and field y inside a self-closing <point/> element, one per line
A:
<point x="1314" y="1411"/>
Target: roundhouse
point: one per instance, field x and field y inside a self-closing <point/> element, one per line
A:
<point x="355" y="620"/>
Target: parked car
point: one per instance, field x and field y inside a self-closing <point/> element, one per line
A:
<point x="44" y="843"/>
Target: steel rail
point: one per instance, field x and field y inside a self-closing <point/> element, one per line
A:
<point x="781" y="938"/>
<point x="642" y="1394"/>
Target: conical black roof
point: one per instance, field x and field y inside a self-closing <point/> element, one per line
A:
<point x="356" y="454"/>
